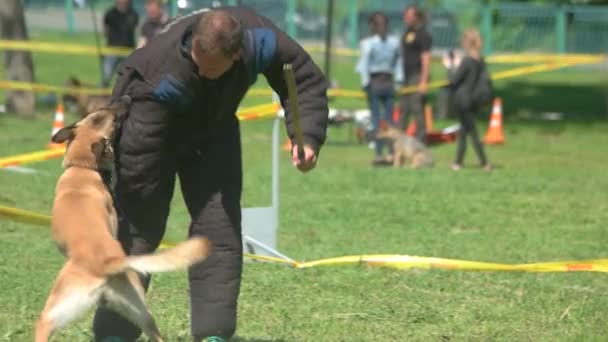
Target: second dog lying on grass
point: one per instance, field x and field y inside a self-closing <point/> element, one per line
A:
<point x="407" y="150"/>
<point x="85" y="103"/>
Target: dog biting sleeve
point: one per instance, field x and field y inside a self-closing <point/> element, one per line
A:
<point x="143" y="150"/>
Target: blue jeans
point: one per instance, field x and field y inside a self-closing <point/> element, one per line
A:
<point x="381" y="103"/>
<point x="110" y="64"/>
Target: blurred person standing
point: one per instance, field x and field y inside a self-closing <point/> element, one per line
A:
<point x="120" y="22"/>
<point x="380" y="68"/>
<point x="451" y="59"/>
<point x="416" y="44"/>
<point x="156" y="19"/>
<point x="470" y="84"/>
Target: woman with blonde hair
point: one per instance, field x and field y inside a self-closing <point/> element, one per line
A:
<point x="470" y="85"/>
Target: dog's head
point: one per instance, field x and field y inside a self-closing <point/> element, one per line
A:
<point x="73" y="81"/>
<point x="388" y="132"/>
<point x="89" y="140"/>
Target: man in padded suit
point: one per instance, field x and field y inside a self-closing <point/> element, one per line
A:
<point x="186" y="86"/>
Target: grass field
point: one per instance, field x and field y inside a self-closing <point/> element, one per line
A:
<point x="546" y="201"/>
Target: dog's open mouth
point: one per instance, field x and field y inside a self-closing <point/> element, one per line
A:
<point x="106" y="158"/>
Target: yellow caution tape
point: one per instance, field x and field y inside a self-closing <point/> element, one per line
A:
<point x="25" y="216"/>
<point x="531" y="69"/>
<point x="546" y="58"/>
<point x="515" y="72"/>
<point x="408" y="262"/>
<point x="61" y="48"/>
<point x="31" y="157"/>
<point x="38" y="87"/>
<point x="400" y="262"/>
<point x="270" y="259"/>
<point x="502" y="59"/>
<point x="79" y="49"/>
<point x="335" y="92"/>
<point x="259" y="111"/>
<point x="442" y="83"/>
<point x="248" y="113"/>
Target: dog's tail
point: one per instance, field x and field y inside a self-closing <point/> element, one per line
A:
<point x="181" y="256"/>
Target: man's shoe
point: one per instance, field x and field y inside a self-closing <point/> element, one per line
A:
<point x="215" y="339"/>
<point x="456" y="166"/>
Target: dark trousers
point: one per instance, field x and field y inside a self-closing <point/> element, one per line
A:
<point x="413" y="104"/>
<point x="210" y="174"/>
<point x="468" y="127"/>
<point x="381" y="97"/>
<point x="110" y="64"/>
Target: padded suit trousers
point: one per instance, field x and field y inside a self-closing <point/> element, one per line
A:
<point x="210" y="174"/>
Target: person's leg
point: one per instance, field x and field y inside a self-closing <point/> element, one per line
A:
<point x="110" y="64"/>
<point x="404" y="118"/>
<point x="443" y="98"/>
<point x="388" y="101"/>
<point x="418" y="102"/>
<point x="462" y="137"/>
<point x="142" y="223"/>
<point x="477" y="143"/>
<point x="108" y="70"/>
<point x="375" y="108"/>
<point x="142" y="190"/>
<point x="211" y="181"/>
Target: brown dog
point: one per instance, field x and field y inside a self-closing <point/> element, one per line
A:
<point x="85" y="103"/>
<point x="84" y="224"/>
<point x="406" y="149"/>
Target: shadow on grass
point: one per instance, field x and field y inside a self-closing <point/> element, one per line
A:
<point x="525" y="102"/>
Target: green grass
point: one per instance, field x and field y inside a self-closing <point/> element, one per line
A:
<point x="546" y="201"/>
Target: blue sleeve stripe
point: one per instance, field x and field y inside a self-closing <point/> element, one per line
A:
<point x="266" y="45"/>
<point x="264" y="48"/>
<point x="172" y="92"/>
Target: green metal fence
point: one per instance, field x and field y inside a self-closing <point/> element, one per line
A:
<point x="506" y="26"/>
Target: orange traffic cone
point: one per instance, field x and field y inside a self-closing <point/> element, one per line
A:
<point x="428" y="117"/>
<point x="494" y="134"/>
<point x="411" y="129"/>
<point x="57" y="125"/>
<point x="396" y="114"/>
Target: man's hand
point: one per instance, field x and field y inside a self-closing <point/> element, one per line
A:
<point x="308" y="162"/>
<point x="422" y="87"/>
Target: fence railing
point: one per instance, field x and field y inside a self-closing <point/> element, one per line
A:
<point x="506" y="26"/>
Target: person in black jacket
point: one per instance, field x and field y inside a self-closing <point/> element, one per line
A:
<point x="186" y="85"/>
<point x="463" y="82"/>
<point x="154" y="23"/>
<point x="416" y="45"/>
<point x="119" y="24"/>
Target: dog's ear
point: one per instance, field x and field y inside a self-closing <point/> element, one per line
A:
<point x="99" y="147"/>
<point x="72" y="81"/>
<point x="66" y="133"/>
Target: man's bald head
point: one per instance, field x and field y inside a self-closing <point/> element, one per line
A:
<point x="219" y="31"/>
